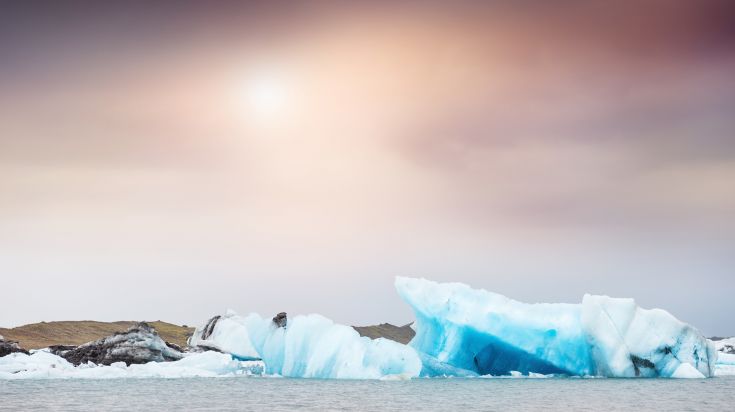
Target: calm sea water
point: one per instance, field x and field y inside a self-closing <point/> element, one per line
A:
<point x="273" y="394"/>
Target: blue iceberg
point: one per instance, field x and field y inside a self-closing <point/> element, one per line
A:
<point x="481" y="332"/>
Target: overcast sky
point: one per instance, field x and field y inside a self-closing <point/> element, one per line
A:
<point x="171" y="161"/>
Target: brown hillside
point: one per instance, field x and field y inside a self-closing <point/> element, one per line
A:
<point x="402" y="334"/>
<point x="44" y="334"/>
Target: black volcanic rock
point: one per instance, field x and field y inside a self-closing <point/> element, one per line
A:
<point x="206" y="332"/>
<point x="175" y="347"/>
<point x="8" y="346"/>
<point x="203" y="347"/>
<point x="61" y="350"/>
<point x="281" y="320"/>
<point x="209" y="327"/>
<point x="139" y="344"/>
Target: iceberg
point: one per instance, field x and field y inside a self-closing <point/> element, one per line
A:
<point x="490" y="334"/>
<point x="139" y="344"/>
<point x="227" y="334"/>
<point x="628" y="341"/>
<point x="45" y="365"/>
<point x="460" y="332"/>
<point x="725" y="364"/>
<point x="726" y="345"/>
<point x="310" y="346"/>
<point x="725" y="357"/>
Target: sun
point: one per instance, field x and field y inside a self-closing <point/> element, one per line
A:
<point x="264" y="95"/>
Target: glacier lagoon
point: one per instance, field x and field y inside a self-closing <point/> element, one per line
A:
<point x="460" y="332"/>
<point x="438" y="394"/>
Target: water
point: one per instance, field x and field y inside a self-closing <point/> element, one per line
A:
<point x="273" y="394"/>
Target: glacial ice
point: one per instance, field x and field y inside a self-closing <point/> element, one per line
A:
<point x="229" y="335"/>
<point x="489" y="333"/>
<point x="726" y="346"/>
<point x="628" y="341"/>
<point x="313" y="346"/>
<point x="460" y="332"/>
<point x="725" y="357"/>
<point x="44" y="365"/>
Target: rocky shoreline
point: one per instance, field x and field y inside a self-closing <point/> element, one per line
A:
<point x="9" y="346"/>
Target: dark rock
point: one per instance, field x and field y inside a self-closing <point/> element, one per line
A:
<point x="281" y="320"/>
<point x="639" y="363"/>
<point x="9" y="346"/>
<point x="209" y="328"/>
<point x="175" y="346"/>
<point x="60" y="350"/>
<point x="139" y="344"/>
<point x="204" y="347"/>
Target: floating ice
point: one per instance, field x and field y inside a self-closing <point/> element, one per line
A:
<point x="489" y="333"/>
<point x="314" y="347"/>
<point x="628" y="341"/>
<point x="44" y="365"/>
<point x="726" y="359"/>
<point x="433" y="367"/>
<point x="228" y="334"/>
<point x="725" y="364"/>
<point x="726" y="345"/>
<point x="460" y="332"/>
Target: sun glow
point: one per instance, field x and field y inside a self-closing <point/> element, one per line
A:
<point x="263" y="95"/>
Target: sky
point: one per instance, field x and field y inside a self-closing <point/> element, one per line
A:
<point x="173" y="160"/>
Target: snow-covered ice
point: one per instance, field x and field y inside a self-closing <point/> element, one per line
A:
<point x="726" y="345"/>
<point x="44" y="365"/>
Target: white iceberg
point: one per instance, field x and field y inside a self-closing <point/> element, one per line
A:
<point x="726" y="345"/>
<point x="489" y="333"/>
<point x="725" y="357"/>
<point x="628" y="341"/>
<point x="226" y="333"/>
<point x="313" y="346"/>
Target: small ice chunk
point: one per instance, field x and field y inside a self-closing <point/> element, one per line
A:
<point x="687" y="371"/>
